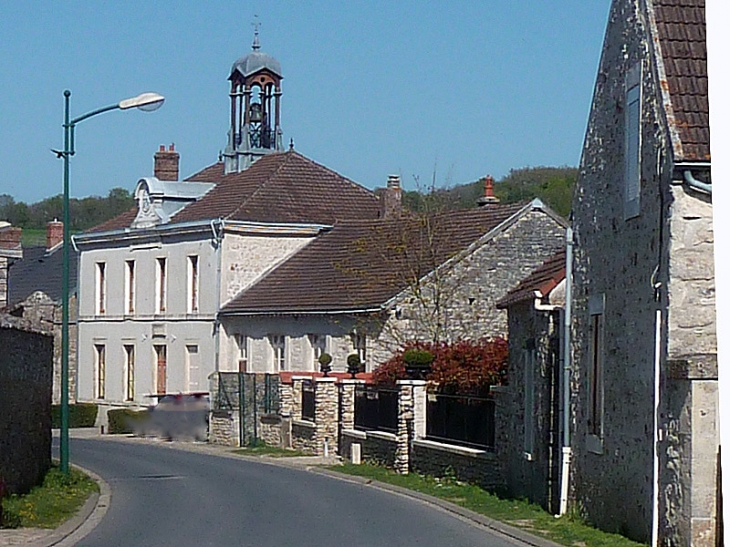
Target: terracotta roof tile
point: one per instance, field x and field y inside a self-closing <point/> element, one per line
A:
<point x="362" y="264"/>
<point x="682" y="39"/>
<point x="543" y="280"/>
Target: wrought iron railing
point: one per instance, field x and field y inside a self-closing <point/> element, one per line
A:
<point x="308" y="400"/>
<point x="461" y="419"/>
<point x="376" y="408"/>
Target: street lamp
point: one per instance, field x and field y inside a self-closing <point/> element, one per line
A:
<point x="147" y="102"/>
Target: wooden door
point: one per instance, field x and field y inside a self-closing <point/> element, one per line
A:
<point x="161" y="354"/>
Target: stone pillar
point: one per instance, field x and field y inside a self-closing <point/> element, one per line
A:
<point x="325" y="416"/>
<point x="347" y="402"/>
<point x="411" y="420"/>
<point x="286" y="396"/>
<point x="296" y="396"/>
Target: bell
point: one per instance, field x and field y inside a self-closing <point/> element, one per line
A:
<point x="255" y="113"/>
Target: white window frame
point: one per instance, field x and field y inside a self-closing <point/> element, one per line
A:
<point x="161" y="284"/>
<point x="279" y="352"/>
<point x="318" y="343"/>
<point x="193" y="284"/>
<point x="596" y="373"/>
<point x="100" y="370"/>
<point x="242" y="350"/>
<point x="100" y="292"/>
<point x="129" y="286"/>
<point x="129" y="372"/>
<point x="632" y="142"/>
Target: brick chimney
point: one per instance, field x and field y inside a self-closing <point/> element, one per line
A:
<point x="54" y="234"/>
<point x="10" y="249"/>
<point x="489" y="196"/>
<point x="390" y="198"/>
<point x="10" y="238"/>
<point x="167" y="163"/>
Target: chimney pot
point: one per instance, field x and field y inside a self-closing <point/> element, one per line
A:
<point x="489" y="196"/>
<point x="391" y="197"/>
<point x="167" y="164"/>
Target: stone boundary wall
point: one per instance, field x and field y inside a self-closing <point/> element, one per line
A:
<point x="466" y="464"/>
<point x="304" y="436"/>
<point x="377" y="447"/>
<point x="26" y="384"/>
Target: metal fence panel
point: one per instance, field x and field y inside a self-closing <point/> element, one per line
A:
<point x="308" y="400"/>
<point x="376" y="408"/>
<point x="461" y="419"/>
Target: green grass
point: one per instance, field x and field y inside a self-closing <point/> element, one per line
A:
<point x="270" y="451"/>
<point x="567" y="530"/>
<point x="59" y="498"/>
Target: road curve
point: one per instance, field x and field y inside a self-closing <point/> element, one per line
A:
<point x="177" y="498"/>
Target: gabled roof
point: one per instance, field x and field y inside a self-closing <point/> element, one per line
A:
<point x="283" y="187"/>
<point x="40" y="271"/>
<point x="360" y="266"/>
<point x="679" y="30"/>
<point x="539" y="283"/>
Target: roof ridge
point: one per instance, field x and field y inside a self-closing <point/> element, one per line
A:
<point x="343" y="177"/>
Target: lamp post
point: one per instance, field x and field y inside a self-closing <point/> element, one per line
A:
<point x="147" y="102"/>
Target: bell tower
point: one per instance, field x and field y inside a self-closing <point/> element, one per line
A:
<point x="255" y="109"/>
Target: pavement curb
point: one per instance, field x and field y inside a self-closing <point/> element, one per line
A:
<point x="80" y="525"/>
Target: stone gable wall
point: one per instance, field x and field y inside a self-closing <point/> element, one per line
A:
<point x="26" y="365"/>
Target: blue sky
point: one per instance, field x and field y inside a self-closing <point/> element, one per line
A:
<point x="415" y="88"/>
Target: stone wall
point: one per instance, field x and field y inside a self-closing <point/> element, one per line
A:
<point x="465" y="464"/>
<point x="26" y="369"/>
<point x="377" y="447"/>
<point x="304" y="436"/>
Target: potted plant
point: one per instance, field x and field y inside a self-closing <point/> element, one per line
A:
<point x="353" y="364"/>
<point x="325" y="364"/>
<point x="417" y="363"/>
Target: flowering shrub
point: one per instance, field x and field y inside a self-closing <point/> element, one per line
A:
<point x="466" y="366"/>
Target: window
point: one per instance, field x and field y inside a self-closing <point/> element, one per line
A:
<point x="278" y="344"/>
<point x="100" y="351"/>
<point x="319" y="346"/>
<point x="192" y="362"/>
<point x="129" y="372"/>
<point x="596" y="307"/>
<point x="528" y="361"/>
<point x="242" y="344"/>
<point x="161" y="287"/>
<point x="100" y="288"/>
<point x="359" y="343"/>
<point x="632" y="148"/>
<point x="161" y="368"/>
<point x="193" y="284"/>
<point x="129" y="287"/>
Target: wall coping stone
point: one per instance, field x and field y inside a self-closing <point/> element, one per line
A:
<point x="327" y="380"/>
<point x="382" y="435"/>
<point x="352" y="381"/>
<point x="456" y="449"/>
<point x="355" y="433"/>
<point x="499" y="389"/>
<point x="304" y="423"/>
<point x="411" y="382"/>
<point x="301" y="378"/>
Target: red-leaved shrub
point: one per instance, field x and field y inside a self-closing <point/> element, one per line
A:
<point x="466" y="366"/>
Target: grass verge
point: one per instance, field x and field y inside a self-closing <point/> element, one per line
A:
<point x="271" y="451"/>
<point x="567" y="530"/>
<point x="46" y="506"/>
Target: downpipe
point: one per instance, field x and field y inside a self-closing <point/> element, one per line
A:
<point x="566" y="451"/>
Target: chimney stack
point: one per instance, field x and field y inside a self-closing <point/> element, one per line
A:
<point x="390" y="198"/>
<point x="489" y="196"/>
<point x="10" y="239"/>
<point x="10" y="249"/>
<point x="54" y="234"/>
<point x="167" y="163"/>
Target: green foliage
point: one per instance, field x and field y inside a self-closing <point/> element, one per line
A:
<point x="123" y="420"/>
<point x="353" y="360"/>
<point x="415" y="357"/>
<point x="46" y="506"/>
<point x="325" y="359"/>
<point x="79" y="415"/>
<point x="85" y="212"/>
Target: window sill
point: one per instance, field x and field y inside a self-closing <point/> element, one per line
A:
<point x="594" y="444"/>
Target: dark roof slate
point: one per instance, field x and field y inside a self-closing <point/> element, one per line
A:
<point x="39" y="271"/>
<point x="682" y="39"/>
<point x="360" y="265"/>
<point x="543" y="280"/>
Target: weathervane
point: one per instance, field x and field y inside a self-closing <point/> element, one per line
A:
<point x="256" y="24"/>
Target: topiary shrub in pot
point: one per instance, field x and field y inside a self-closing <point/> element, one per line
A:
<point x="325" y="364"/>
<point x="353" y="364"/>
<point x="417" y="363"/>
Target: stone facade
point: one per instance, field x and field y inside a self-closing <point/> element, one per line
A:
<point x="326" y="416"/>
<point x="465" y="464"/>
<point x="26" y="370"/>
<point x="377" y="447"/>
<point x="643" y="279"/>
<point x="304" y="436"/>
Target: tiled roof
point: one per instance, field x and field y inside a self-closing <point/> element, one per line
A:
<point x="361" y="265"/>
<point x="284" y="187"/>
<point x="543" y="280"/>
<point x="38" y="271"/>
<point x="681" y="33"/>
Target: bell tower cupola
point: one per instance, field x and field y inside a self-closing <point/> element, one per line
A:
<point x="255" y="108"/>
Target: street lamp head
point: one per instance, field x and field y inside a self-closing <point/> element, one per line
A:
<point x="146" y="101"/>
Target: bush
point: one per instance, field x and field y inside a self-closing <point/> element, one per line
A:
<point x="123" y="420"/>
<point x="465" y="366"/>
<point x="79" y="415"/>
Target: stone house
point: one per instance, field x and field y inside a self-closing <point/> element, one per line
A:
<point x="530" y="445"/>
<point x="645" y="439"/>
<point x="35" y="292"/>
<point x="10" y="251"/>
<point x="369" y="286"/>
<point x="153" y="280"/>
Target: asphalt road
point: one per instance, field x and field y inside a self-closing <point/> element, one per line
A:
<point x="176" y="498"/>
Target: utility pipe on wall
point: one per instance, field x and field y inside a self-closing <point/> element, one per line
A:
<point x="567" y="316"/>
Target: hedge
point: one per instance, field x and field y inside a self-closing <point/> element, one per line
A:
<point x="79" y="415"/>
<point x="122" y="420"/>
